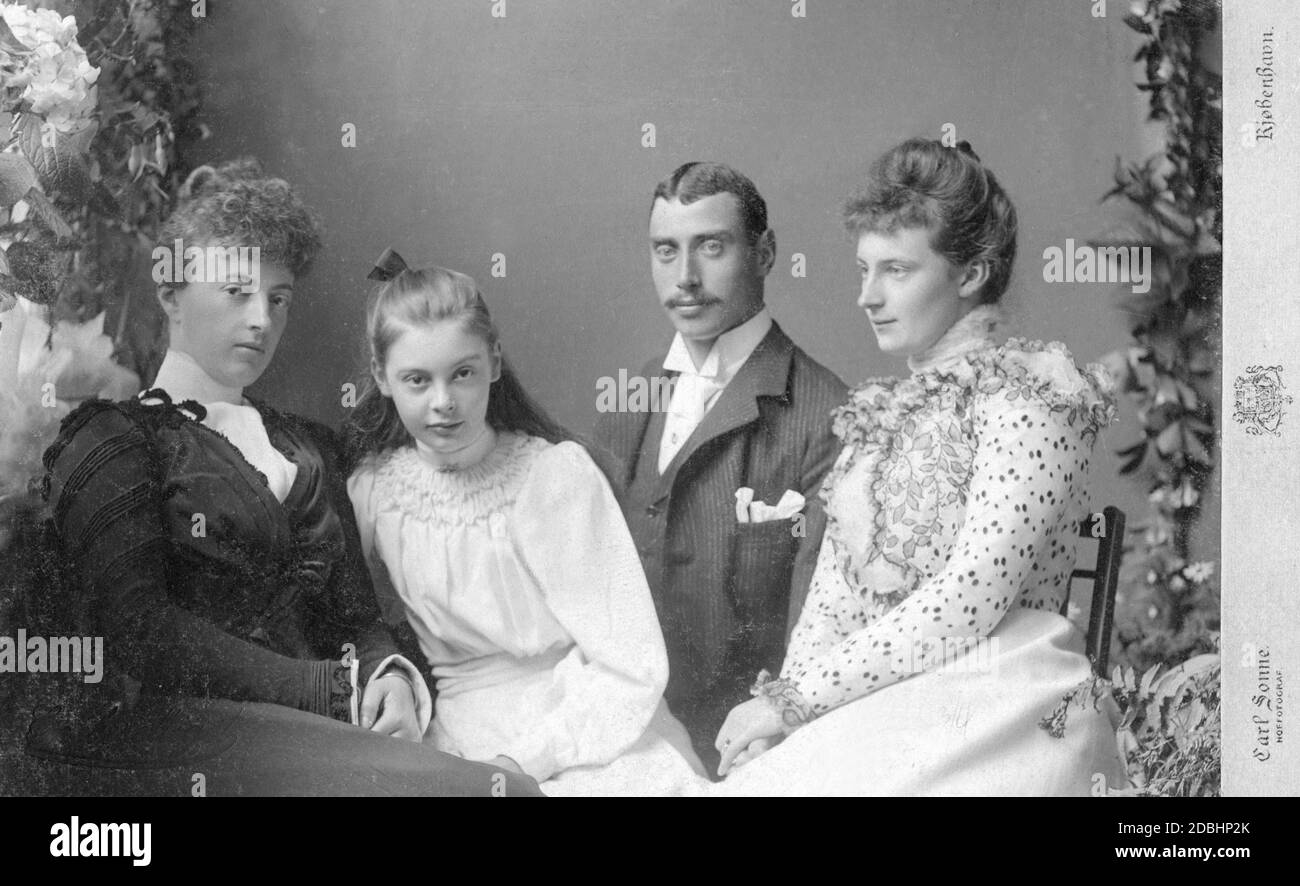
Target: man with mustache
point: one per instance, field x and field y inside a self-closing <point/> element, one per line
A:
<point x="749" y="411"/>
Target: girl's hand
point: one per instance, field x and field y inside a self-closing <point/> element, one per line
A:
<point x="503" y="762"/>
<point x="746" y="723"/>
<point x="390" y="701"/>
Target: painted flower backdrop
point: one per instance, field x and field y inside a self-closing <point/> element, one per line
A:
<point x="1167" y="682"/>
<point x="97" y="108"/>
<point x="95" y="117"/>
<point x="51" y="69"/>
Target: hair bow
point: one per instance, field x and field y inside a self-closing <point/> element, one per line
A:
<point x="387" y="266"/>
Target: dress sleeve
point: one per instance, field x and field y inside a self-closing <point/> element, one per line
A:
<point x="574" y="542"/>
<point x="1030" y="461"/>
<point x="104" y="490"/>
<point x="361" y="493"/>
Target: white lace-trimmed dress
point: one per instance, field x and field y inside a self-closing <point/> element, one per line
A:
<point x="526" y="592"/>
<point x="952" y="528"/>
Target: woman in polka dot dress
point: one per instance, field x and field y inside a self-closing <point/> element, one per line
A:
<point x="930" y="644"/>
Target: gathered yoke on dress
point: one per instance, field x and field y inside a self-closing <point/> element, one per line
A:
<point x="522" y="583"/>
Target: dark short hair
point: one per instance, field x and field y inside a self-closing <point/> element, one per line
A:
<point x="236" y="204"/>
<point x="922" y="183"/>
<point x="697" y="180"/>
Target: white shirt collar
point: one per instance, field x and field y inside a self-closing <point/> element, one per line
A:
<point x="229" y="414"/>
<point x="183" y="378"/>
<point x="728" y="353"/>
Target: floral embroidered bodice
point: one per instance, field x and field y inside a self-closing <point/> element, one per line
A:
<point x="957" y="495"/>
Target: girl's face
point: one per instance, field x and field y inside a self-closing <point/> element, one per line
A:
<point x="230" y="332"/>
<point x="439" y="377"/>
<point x="912" y="294"/>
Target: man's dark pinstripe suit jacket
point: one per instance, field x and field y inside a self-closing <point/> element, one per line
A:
<point x="727" y="593"/>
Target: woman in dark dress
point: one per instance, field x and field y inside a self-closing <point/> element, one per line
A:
<point x="209" y="540"/>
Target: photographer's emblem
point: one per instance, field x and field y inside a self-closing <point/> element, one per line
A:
<point x="1258" y="398"/>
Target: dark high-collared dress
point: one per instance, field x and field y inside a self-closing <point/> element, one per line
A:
<point x="229" y="618"/>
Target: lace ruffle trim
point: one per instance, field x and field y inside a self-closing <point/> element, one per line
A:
<point x="405" y="482"/>
<point x="881" y="406"/>
<point x="882" y="415"/>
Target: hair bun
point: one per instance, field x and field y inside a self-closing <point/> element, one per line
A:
<point x="237" y="204"/>
<point x="208" y="179"/>
<point x="965" y="148"/>
<point x="196" y="182"/>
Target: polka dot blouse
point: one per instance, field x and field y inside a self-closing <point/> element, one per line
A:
<point x="957" y="496"/>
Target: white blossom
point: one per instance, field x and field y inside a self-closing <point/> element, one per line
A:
<point x="56" y="78"/>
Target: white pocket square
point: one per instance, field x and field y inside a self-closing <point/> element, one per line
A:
<point x="750" y="511"/>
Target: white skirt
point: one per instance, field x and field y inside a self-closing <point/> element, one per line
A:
<point x="662" y="763"/>
<point x="955" y="731"/>
<point x="477" y="723"/>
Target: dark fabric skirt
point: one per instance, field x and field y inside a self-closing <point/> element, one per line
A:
<point x="179" y="747"/>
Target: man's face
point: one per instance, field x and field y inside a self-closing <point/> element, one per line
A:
<point x="708" y="276"/>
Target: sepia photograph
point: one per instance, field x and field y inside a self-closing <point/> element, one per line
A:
<point x="653" y="398"/>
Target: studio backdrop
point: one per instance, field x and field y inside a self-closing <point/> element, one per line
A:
<point x="520" y="141"/>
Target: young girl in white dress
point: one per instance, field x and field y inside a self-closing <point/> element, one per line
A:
<point x="500" y="541"/>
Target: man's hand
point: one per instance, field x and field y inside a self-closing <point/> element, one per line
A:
<point x="756" y="747"/>
<point x="388" y="707"/>
<point x="747" y="723"/>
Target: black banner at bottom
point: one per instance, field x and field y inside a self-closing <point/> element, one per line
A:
<point x="122" y="836"/>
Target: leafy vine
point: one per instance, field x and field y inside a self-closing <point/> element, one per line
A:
<point x="1169" y="369"/>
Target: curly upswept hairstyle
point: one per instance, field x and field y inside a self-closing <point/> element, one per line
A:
<point x="236" y="204"/>
<point x="923" y="184"/>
